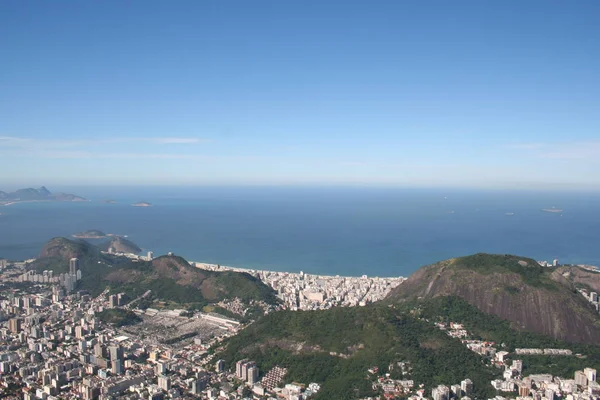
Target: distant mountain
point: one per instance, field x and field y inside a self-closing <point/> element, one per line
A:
<point x="91" y="234"/>
<point x="517" y="289"/>
<point x="120" y="245"/>
<point x="40" y="194"/>
<point x="170" y="278"/>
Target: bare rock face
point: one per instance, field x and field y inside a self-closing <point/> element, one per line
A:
<point x="66" y="249"/>
<point x="517" y="289"/>
<point x="581" y="277"/>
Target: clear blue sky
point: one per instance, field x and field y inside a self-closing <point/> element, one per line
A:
<point x="405" y="93"/>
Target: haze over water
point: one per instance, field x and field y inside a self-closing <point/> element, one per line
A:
<point x="345" y="231"/>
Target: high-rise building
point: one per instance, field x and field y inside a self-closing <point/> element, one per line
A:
<point x="150" y="256"/>
<point x="26" y="302"/>
<point x="252" y="375"/>
<point x="114" y="301"/>
<point x="164" y="382"/>
<point x="73" y="266"/>
<point x="239" y="368"/>
<point x="116" y="352"/>
<point x="3" y="263"/>
<point x="79" y="332"/>
<point x="116" y="366"/>
<point x="456" y="391"/>
<point x="14" y="325"/>
<point x="245" y="368"/>
<point x="69" y="282"/>
<point x="549" y="394"/>
<point x="441" y="393"/>
<point x="200" y="383"/>
<point x="594" y="297"/>
<point x="555" y="263"/>
<point x="220" y="366"/>
<point x="590" y="374"/>
<point x="466" y="386"/>
<point x="580" y="378"/>
<point x="98" y="350"/>
<point x="161" y="368"/>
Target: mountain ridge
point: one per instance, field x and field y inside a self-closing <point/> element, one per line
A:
<point x="517" y="289"/>
<point x="170" y="278"/>
<point x="39" y="194"/>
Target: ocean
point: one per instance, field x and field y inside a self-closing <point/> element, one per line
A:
<point x="329" y="231"/>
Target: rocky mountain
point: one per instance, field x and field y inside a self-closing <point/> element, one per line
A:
<point x="31" y="194"/>
<point x="581" y="277"/>
<point x="517" y="289"/>
<point x="65" y="249"/>
<point x="120" y="245"/>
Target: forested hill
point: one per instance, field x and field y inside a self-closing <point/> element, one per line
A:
<point x="336" y="347"/>
<point x="170" y="278"/>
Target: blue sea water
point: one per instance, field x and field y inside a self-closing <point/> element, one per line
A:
<point x="345" y="231"/>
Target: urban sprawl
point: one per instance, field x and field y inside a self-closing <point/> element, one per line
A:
<point x="53" y="346"/>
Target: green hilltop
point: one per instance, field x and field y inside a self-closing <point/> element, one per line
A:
<point x="336" y="347"/>
<point x="170" y="279"/>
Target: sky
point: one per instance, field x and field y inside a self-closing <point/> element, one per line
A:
<point x="479" y="94"/>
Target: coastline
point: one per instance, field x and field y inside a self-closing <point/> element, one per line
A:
<point x="10" y="203"/>
<point x="218" y="267"/>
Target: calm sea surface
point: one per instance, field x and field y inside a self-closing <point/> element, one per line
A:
<point x="384" y="232"/>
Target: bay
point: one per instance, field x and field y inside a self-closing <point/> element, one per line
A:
<point x="319" y="230"/>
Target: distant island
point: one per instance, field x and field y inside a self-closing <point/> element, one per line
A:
<point x="40" y="194"/>
<point x="552" y="210"/>
<point x="91" y="234"/>
<point x="142" y="204"/>
<point x="109" y="201"/>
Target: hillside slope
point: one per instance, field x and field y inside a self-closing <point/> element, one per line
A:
<point x="170" y="278"/>
<point x="336" y="347"/>
<point x="120" y="245"/>
<point x="31" y="194"/>
<point x="517" y="289"/>
<point x="173" y="278"/>
<point x="581" y="277"/>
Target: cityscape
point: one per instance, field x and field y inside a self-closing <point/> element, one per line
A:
<point x="55" y="345"/>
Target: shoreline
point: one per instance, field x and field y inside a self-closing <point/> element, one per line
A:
<point x="10" y="203"/>
<point x="218" y="267"/>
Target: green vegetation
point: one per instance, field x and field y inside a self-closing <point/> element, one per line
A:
<point x="170" y="279"/>
<point x="489" y="327"/>
<point x="118" y="317"/>
<point x="380" y="335"/>
<point x="512" y="290"/>
<point x="532" y="273"/>
<point x="244" y="286"/>
<point x="361" y="338"/>
<point x="91" y="234"/>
